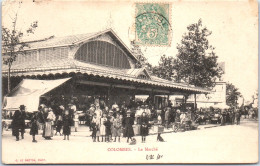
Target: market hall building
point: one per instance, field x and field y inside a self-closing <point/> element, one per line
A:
<point x="95" y="64"/>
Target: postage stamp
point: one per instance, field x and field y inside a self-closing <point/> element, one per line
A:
<point x="152" y="24"/>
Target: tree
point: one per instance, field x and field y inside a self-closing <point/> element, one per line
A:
<point x="12" y="45"/>
<point x="165" y="69"/>
<point x="142" y="60"/>
<point x="232" y="95"/>
<point x="196" y="62"/>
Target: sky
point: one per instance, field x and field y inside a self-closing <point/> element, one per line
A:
<point x="234" y="26"/>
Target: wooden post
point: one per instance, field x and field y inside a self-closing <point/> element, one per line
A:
<point x="108" y="95"/>
<point x="195" y="102"/>
<point x="185" y="101"/>
<point x="168" y="100"/>
<point x="8" y="79"/>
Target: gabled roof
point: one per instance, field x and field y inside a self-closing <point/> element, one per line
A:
<point x="77" y="39"/>
<point x="57" y="41"/>
<point x="137" y="71"/>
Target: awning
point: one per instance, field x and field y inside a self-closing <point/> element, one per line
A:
<point x="28" y="93"/>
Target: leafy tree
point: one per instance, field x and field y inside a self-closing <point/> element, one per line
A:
<point x="196" y="62"/>
<point x="12" y="45"/>
<point x="165" y="69"/>
<point x="232" y="95"/>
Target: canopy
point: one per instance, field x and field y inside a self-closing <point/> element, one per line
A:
<point x="28" y="93"/>
<point x="221" y="106"/>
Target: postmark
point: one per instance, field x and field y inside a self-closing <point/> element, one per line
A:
<point x="152" y="24"/>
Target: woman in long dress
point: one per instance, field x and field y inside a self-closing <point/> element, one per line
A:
<point x="144" y="120"/>
<point x="159" y="123"/>
<point x="111" y="118"/>
<point x="117" y="123"/>
<point x="47" y="128"/>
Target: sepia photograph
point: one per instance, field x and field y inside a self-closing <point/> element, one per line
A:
<point x="129" y="82"/>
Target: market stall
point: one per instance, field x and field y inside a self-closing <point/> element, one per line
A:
<point x="28" y="93"/>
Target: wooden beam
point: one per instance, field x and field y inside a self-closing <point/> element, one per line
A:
<point x="93" y="83"/>
<point x="124" y="86"/>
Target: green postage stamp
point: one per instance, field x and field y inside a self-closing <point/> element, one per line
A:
<point x="152" y="24"/>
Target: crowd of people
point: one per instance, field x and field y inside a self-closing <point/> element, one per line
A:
<point x="222" y="116"/>
<point x="112" y="123"/>
<point x="106" y="124"/>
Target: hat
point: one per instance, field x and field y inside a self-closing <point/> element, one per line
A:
<point x="62" y="107"/>
<point x="128" y="112"/>
<point x="40" y="107"/>
<point x="110" y="111"/>
<point x="92" y="105"/>
<point x="22" y="107"/>
<point x="43" y="105"/>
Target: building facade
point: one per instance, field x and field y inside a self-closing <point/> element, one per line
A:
<point x="99" y="64"/>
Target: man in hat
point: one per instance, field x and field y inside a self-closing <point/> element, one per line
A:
<point x="40" y="118"/>
<point x="72" y="109"/>
<point x="90" y="113"/>
<point x="18" y="122"/>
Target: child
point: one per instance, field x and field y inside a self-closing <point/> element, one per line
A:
<point x="108" y="125"/>
<point x="66" y="125"/>
<point x="34" y="127"/>
<point x="94" y="126"/>
<point x="117" y="127"/>
<point x="102" y="126"/>
<point x="128" y="125"/>
<point x="76" y="121"/>
<point x="58" y="125"/>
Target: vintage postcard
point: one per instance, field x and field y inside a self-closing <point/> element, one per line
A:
<point x="129" y="82"/>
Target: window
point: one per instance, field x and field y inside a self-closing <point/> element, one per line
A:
<point x="103" y="53"/>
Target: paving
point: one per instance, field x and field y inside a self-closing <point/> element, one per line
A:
<point x="221" y="144"/>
